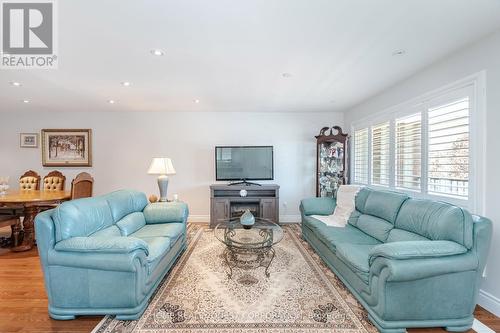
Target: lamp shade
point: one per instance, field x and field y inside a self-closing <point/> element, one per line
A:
<point x="161" y="166"/>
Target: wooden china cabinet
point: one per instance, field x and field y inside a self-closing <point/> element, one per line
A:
<point x="331" y="161"/>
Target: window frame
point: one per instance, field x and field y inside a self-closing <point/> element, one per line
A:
<point x="474" y="86"/>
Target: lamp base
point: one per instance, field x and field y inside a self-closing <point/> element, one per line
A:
<point x="163" y="185"/>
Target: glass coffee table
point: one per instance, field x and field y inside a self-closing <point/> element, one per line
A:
<point x="248" y="248"/>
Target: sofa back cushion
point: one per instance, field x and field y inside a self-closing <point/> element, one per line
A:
<point x="436" y="220"/>
<point x="384" y="204"/>
<point x="131" y="223"/>
<point x="81" y="217"/>
<point x="360" y="199"/>
<point x="374" y="226"/>
<point x="124" y="202"/>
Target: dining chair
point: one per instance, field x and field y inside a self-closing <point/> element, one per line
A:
<point x="81" y="186"/>
<point x="54" y="181"/>
<point x="29" y="181"/>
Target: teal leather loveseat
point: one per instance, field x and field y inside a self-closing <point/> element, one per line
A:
<point x="410" y="262"/>
<point x="107" y="254"/>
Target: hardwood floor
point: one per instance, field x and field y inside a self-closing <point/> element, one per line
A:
<point x="23" y="305"/>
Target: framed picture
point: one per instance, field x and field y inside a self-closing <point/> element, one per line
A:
<point x="66" y="147"/>
<point x="28" y="140"/>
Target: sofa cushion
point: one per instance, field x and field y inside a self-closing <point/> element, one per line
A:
<point x="170" y="230"/>
<point x="124" y="202"/>
<point x="376" y="227"/>
<point x="158" y="247"/>
<point x="436" y="220"/>
<point x="331" y="236"/>
<point x="131" y="223"/>
<point x="166" y="212"/>
<point x="81" y="217"/>
<point x="356" y="257"/>
<point x="112" y="231"/>
<point x="384" y="204"/>
<point x="400" y="235"/>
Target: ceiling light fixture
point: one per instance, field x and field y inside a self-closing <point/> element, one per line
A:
<point x="15" y="84"/>
<point x="25" y="101"/>
<point x="398" y="53"/>
<point x="157" y="52"/>
<point x="125" y="84"/>
<point x="111" y="101"/>
<point x="286" y="75"/>
<point x="197" y="101"/>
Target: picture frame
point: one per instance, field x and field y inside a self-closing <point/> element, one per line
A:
<point x="66" y="147"/>
<point x="28" y="140"/>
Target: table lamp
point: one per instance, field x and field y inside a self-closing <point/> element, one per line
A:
<point x="163" y="167"/>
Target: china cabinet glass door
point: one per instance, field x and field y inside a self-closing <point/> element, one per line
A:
<point x="331" y="161"/>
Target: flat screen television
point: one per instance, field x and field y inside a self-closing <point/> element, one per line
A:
<point x="244" y="163"/>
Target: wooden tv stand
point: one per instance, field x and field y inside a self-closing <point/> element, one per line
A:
<point x="226" y="202"/>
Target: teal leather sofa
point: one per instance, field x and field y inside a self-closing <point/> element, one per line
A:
<point x="410" y="262"/>
<point x="107" y="254"/>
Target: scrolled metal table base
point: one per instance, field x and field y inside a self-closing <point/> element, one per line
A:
<point x="249" y="258"/>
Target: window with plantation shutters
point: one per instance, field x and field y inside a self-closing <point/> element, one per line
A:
<point x="431" y="146"/>
<point x="448" y="148"/>
<point x="380" y="151"/>
<point x="361" y="156"/>
<point x="408" y="154"/>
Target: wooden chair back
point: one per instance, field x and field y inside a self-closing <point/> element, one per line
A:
<point x="81" y="186"/>
<point x="29" y="181"/>
<point x="54" y="181"/>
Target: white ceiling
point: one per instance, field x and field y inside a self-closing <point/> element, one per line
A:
<point x="231" y="54"/>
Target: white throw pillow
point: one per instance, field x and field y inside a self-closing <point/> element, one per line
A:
<point x="345" y="206"/>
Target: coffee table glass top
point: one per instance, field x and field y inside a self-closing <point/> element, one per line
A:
<point x="264" y="233"/>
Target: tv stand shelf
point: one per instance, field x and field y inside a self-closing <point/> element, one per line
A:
<point x="226" y="202"/>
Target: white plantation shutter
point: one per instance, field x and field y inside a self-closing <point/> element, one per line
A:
<point x="381" y="154"/>
<point x="361" y="156"/>
<point x="409" y="152"/>
<point x="448" y="148"/>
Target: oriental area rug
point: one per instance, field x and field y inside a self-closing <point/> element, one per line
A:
<point x="300" y="295"/>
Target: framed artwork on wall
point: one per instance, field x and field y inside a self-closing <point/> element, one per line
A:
<point x="28" y="140"/>
<point x="67" y="147"/>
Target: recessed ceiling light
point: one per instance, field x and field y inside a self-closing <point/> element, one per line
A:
<point x="25" y="101"/>
<point x="111" y="101"/>
<point x="157" y="52"/>
<point x="286" y="75"/>
<point x="15" y="84"/>
<point x="125" y="84"/>
<point x="197" y="101"/>
<point x="398" y="53"/>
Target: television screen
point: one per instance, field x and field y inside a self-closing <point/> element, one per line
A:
<point x="247" y="162"/>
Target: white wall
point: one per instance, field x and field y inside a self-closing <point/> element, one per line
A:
<point x="483" y="55"/>
<point x="124" y="143"/>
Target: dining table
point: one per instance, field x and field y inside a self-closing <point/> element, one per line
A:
<point x="31" y="202"/>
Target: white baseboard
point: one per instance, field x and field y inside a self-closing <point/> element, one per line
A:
<point x="206" y="218"/>
<point x="290" y="218"/>
<point x="489" y="302"/>
<point x="199" y="218"/>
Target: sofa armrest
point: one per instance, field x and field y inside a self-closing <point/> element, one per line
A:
<point x="166" y="212"/>
<point x="318" y="206"/>
<point x="416" y="250"/>
<point x="102" y="245"/>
